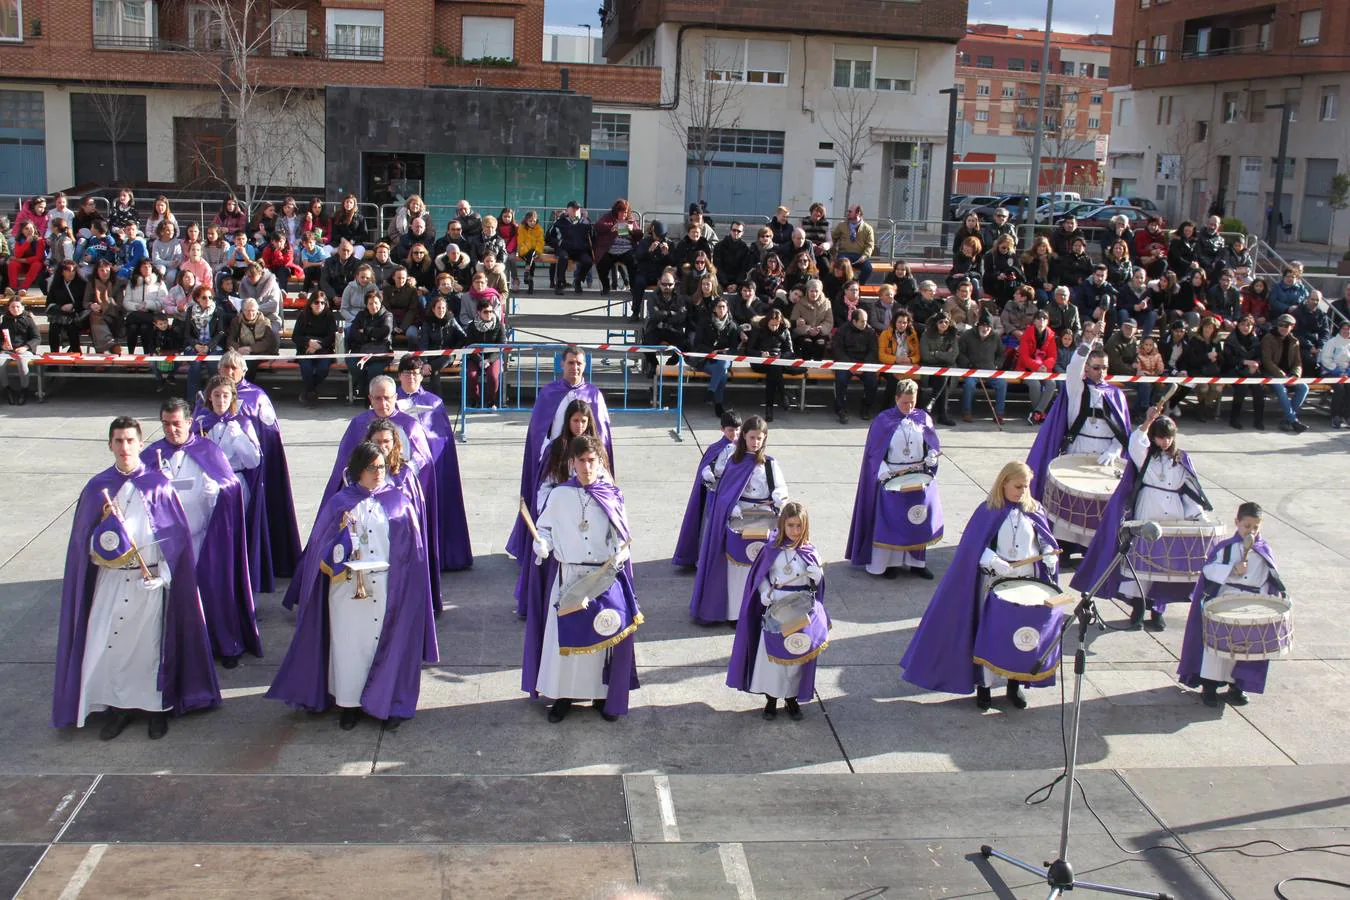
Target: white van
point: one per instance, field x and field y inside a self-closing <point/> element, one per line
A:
<point x="1060" y="195"/>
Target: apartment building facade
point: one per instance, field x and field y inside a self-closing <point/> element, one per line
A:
<point x="998" y="73"/>
<point x="1199" y="90"/>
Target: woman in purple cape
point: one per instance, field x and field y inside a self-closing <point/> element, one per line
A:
<point x="1007" y="527"/>
<point x="223" y="422"/>
<point x="1168" y="490"/>
<point x="456" y="549"/>
<point x="384" y="434"/>
<point x="691" y="528"/>
<point x="771" y="661"/>
<point x="362" y="634"/>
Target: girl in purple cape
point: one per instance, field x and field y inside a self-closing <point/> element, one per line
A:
<point x="1009" y="526"/>
<point x="788" y="565"/>
<point x="384" y="434"/>
<point x="700" y="495"/>
<point x="234" y="433"/>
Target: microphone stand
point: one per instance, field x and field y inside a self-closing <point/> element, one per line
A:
<point x="1059" y="874"/>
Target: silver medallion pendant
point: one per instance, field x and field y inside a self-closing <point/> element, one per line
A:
<point x="584" y="526"/>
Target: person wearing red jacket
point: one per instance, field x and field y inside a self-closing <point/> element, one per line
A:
<point x="1036" y="353"/>
<point x="1150" y="248"/>
<point x="278" y="259"/>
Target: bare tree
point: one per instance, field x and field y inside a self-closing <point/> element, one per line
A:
<point x="709" y="102"/>
<point x="1060" y="142"/>
<point x="114" y="108"/>
<point x="850" y="130"/>
<point x="1186" y="155"/>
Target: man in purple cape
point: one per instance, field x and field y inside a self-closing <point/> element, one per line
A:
<point x="940" y="655"/>
<point x="691" y="528"/>
<point x="186" y="676"/>
<point x="221" y="548"/>
<point x="708" y="603"/>
<point x="1230" y="568"/>
<point x="456" y="551"/>
<point x="545" y="424"/>
<point x="408" y="633"/>
<point x="279" y="540"/>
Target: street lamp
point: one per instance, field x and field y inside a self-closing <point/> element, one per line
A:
<point x="1034" y="189"/>
<point x="590" y="46"/>
<point x="1273" y="229"/>
<point x="947" y="175"/>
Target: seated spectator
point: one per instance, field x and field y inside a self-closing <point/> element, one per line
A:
<point x="1281" y="357"/>
<point x="1209" y="247"/>
<point x="1003" y="274"/>
<point x="510" y="231"/>
<point x="1063" y="315"/>
<point x="1176" y="351"/>
<point x="855" y="241"/>
<point x="19" y="339"/>
<point x="144" y="296"/>
<point x="280" y="260"/>
<point x="1238" y="258"/>
<point x="456" y="263"/>
<point x="214" y="249"/>
<point x="122" y="211"/>
<point x="33" y="210"/>
<point x="1096" y="299"/>
<point x="240" y="255"/>
<point x="314" y="334"/>
<point x="27" y="257"/>
<point x="833" y="279"/>
<point x="1289" y="293"/>
<point x="881" y="310"/>
<point x="412" y="211"/>
<point x="1018" y="315"/>
<point x="1224" y="300"/>
<point x="349" y="225"/>
<point x="1066" y="345"/>
<point x="166" y="340"/>
<point x="495" y="270"/>
<point x="251" y="333"/>
<point x="1204" y="357"/>
<point x="422" y="269"/>
<point x="1119" y="266"/>
<point x="849" y="299"/>
<point x="772" y="338"/>
<point x="812" y="322"/>
<point x="1256" y="302"/>
<point x="1038" y="268"/>
<point x="84" y="216"/>
<point x="418" y="234"/>
<point x="616" y="234"/>
<point x="1312" y="327"/>
<point x="817" y="228"/>
<point x="897" y="346"/>
<point x="454" y="237"/>
<point x="471" y="301"/>
<point x="1182" y="250"/>
<point x="938" y="347"/>
<point x="194" y="263"/>
<point x="264" y="226"/>
<point x="573" y="240"/>
<point x="60" y="245"/>
<point x="440" y="331"/>
<point x="906" y="286"/>
<point x="780" y="227"/>
<point x="404" y="304"/>
<point x="667" y="319"/>
<point x="1334" y="361"/>
<point x="1133" y="302"/>
<point x="1150" y="248"/>
<point x="67" y="314"/>
<point x="1242" y="359"/>
<point x="317" y="221"/>
<point x="261" y="285"/>
<point x="311" y="256"/>
<point x="981" y="348"/>
<point x="291" y="222"/>
<point x="968" y="265"/>
<point x="854" y="342"/>
<point x="99" y="245"/>
<point x="961" y="308"/>
<point x="693" y="273"/>
<point x="1122" y="349"/>
<point x="227" y="292"/>
<point x="996" y="229"/>
<point x="1190" y="298"/>
<point x="483" y="368"/>
<point x="1037" y="351"/>
<point x="471" y="222"/>
<point x="370" y="338"/>
<point x="797" y="243"/>
<point x="698" y="304"/>
<point x="382" y="264"/>
<point x="762" y="250"/>
<point x="204" y="328"/>
<point x="180" y="295"/>
<point x="970" y="227"/>
<point x="354" y="294"/>
<point x="799" y="271"/>
<point x="230" y="219"/>
<point x="530" y="243"/>
<point x="1119" y="230"/>
<point x="107" y="318"/>
<point x="926" y="305"/>
<point x="746" y="309"/>
<point x="733" y="258"/>
<point x="1073" y="267"/>
<point x="1062" y="237"/>
<point x="337" y="272"/>
<point x="718" y="333"/>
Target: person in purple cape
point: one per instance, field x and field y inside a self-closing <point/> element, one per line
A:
<point x="750" y="488"/>
<point x="546" y="423"/>
<point x="132" y="636"/>
<point x="778" y="635"/>
<point x="1090" y="416"/>
<point x="384" y="434"/>
<point x="1006" y="528"/>
<point x="456" y="550"/>
<point x="213" y="501"/>
<point x="222" y="423"/>
<point x="1168" y="490"/>
<point x="891" y="530"/>
<point x="532" y="582"/>
<point x="364" y="626"/>
<point x="278" y="544"/>
<point x="1243" y="563"/>
<point x="691" y="527"/>
<point x="589" y="655"/>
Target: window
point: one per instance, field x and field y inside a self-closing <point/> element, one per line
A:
<point x="125" y="24"/>
<point x="1017" y="65"/>
<point x="1288" y="166"/>
<point x="984" y="62"/>
<point x="982" y="115"/>
<point x="11" y="20"/>
<point x="22" y="110"/>
<point x="875" y="68"/>
<point x="289" y="27"/>
<point x="1035" y="65"/>
<point x="1327" y="102"/>
<point x="1071" y="123"/>
<point x="982" y="90"/>
<point x="1087" y="70"/>
<point x="356" y="34"/>
<point x="747" y="61"/>
<point x="1096" y="100"/>
<point x="896" y="68"/>
<point x="1094" y="124"/>
<point x="740" y="140"/>
<point x="1263" y="36"/>
<point x="1141" y="53"/>
<point x="1159" y="49"/>
<point x="1293" y="99"/>
<point x="1066" y="68"/>
<point x="1165" y="110"/>
<point x="488" y="37"/>
<point x="1103" y="72"/>
<point x="852" y="66"/>
<point x="1008" y="93"/>
<point x="1256" y="106"/>
<point x="610" y="131"/>
<point x="1201" y="132"/>
<point x="961" y="89"/>
<point x="1144" y="4"/>
<point x="1310" y="27"/>
<point x="1230" y="107"/>
<point x="206" y="28"/>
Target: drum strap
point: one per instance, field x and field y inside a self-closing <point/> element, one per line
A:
<point x="768" y="474"/>
<point x="1086" y="411"/>
<point x="1190" y="487"/>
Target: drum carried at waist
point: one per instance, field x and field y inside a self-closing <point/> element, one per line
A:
<point x="1019" y="629"/>
<point x="1077" y="491"/>
<point x="1247" y="626"/>
<point x="1177" y="556"/>
<point x="746" y="535"/>
<point x="908" y="514"/>
<point x="593" y="611"/>
<point x="795" y="628"/>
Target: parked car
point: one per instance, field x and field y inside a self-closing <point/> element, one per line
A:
<point x="954" y="201"/>
<point x="1076" y="210"/>
<point x="973" y="201"/>
<point x="1143" y="203"/>
<point x="1053" y="211"/>
<point x="1013" y="203"/>
<point x="1102" y="215"/>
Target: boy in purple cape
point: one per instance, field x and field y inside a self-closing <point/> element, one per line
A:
<point x="361" y="636"/>
<point x="213" y="501"/>
<point x="583" y="525"/>
<point x="456" y="551"/>
<point x="768" y="661"/>
<point x="883" y="536"/>
<point x="1242" y="563"/>
<point x="160" y="662"/>
<point x="545" y="424"/>
<point x="1007" y="527"/>
<point x="691" y="528"/>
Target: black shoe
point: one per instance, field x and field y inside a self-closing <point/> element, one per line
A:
<point x="577" y="287"/>
<point x="865" y="415"/>
<point x="392" y="723"/>
<point x="982" y="697"/>
<point x="1155" y="622"/>
<point x="159" y="725"/>
<point x="1015" y="695"/>
<point x="1259" y="426"/>
<point x="770" y="709"/>
<point x="23" y="401"/>
<point x="794" y="709"/>
<point x="9" y="396"/>
<point x="1233" y="423"/>
<point x="768" y="414"/>
<point x="731" y="624"/>
<point x="559" y="710"/>
<point x="1237" y="696"/>
<point x="350" y="716"/>
<point x="921" y="572"/>
<point x="843" y="417"/>
<point x="891" y="573"/>
<point x="1137" y="612"/>
<point x="1287" y="426"/>
<point x="718" y="410"/>
<point x="599" y="706"/>
<point x="1298" y="426"/>
<point x="229" y="662"/>
<point x="117" y="720"/>
<point x="947" y="420"/>
<point x="560" y="289"/>
<point x="1210" y="694"/>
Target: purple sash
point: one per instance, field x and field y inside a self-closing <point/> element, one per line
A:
<point x="907" y="520"/>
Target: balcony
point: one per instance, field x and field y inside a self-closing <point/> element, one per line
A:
<point x="1240" y="33"/>
<point x="153" y="43"/>
<point x="314" y="49"/>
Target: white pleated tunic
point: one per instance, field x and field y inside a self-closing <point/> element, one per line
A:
<point x="240" y="446"/>
<point x="792" y="574"/>
<point x="1095" y="435"/>
<point x="1017" y="539"/>
<point x="755" y="494"/>
<point x="1212" y="665"/>
<point x="1158" y="499"/>
<point x="906" y="449"/>
<point x="355" y="624"/>
<point x="195" y="491"/>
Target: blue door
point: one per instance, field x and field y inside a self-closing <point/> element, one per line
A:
<point x="23" y="146"/>
<point x="745" y="176"/>
<point x="606" y="178"/>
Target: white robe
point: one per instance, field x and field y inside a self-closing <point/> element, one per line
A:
<point x="1158" y="499"/>
<point x="577" y="676"/>
<point x="126" y="624"/>
<point x="790" y="571"/>
<point x="755" y="494"/>
<point x="355" y="624"/>
<point x="1016" y="539"/>
<point x="240" y="446"/>
<point x="1213" y="666"/>
<point x="906" y="449"/>
<point x="1095" y="435"/>
<point x="195" y="491"/>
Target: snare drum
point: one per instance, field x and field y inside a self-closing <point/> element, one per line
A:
<point x="908" y="482"/>
<point x="909" y="514"/>
<point x="1177" y="556"/>
<point x="1246" y="626"/>
<point x="604" y="622"/>
<point x="805" y="643"/>
<point x="1017" y="627"/>
<point x="1077" y="491"/>
<point x="746" y="535"/>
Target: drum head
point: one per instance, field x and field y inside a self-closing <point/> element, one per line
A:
<point x="1024" y="591"/>
<point x="798" y="643"/>
<point x="1245" y="609"/>
<point x="910" y="481"/>
<point x="1079" y="473"/>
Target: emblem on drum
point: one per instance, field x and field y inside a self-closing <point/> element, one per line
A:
<point x="108" y="541"/>
<point x="752" y="550"/>
<point x="917" y="513"/>
<point x="798" y="643"/>
<point x="607" y="622"/>
<point x="1026" y="639"/>
<point x="339" y="553"/>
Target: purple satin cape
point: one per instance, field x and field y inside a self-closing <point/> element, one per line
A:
<point x="456" y="549"/>
<point x="187" y="673"/>
<point x="745" y="650"/>
<point x="406" y="482"/>
<point x="860" y="531"/>
<point x="940" y="655"/>
<point x="1056" y="425"/>
<point x="223" y="580"/>
<point x="708" y="603"/>
<point x="1102" y="550"/>
<point x="546" y="404"/>
<point x="691" y="529"/>
<point x="408" y="636"/>
<point x="1249" y="675"/>
<point x="620" y="674"/>
<point x="529" y="587"/>
<point x="255" y="510"/>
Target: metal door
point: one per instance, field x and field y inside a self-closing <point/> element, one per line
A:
<point x="1314" y="221"/>
<point x="822" y="185"/>
<point x="606" y="178"/>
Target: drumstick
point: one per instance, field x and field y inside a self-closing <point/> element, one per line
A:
<point x="529" y="522"/>
<point x="1033" y="559"/>
<point x="145" y="570"/>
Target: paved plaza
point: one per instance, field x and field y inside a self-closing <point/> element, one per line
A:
<point x="882" y="790"/>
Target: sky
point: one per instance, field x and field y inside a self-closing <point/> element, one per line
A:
<point x="1071" y="15"/>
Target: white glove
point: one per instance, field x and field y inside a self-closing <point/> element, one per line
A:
<point x="621" y="556"/>
<point x="736" y="511"/>
<point x="541" y="549"/>
<point x="930" y="459"/>
<point x="709" y="479"/>
<point x="815" y="573"/>
<point x="1107" y="457"/>
<point x="766" y="598"/>
<point x="999" y="566"/>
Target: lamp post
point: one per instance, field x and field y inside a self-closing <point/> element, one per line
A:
<point x="590" y="46"/>
<point x="948" y="174"/>
<point x="1034" y="189"/>
<point x="1273" y="230"/>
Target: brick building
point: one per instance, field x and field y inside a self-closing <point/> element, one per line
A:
<point x="450" y="98"/>
<point x="782" y="74"/>
<point x="1192" y="86"/>
<point x="998" y="76"/>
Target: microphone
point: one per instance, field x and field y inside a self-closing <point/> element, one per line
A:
<point x="1149" y="531"/>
